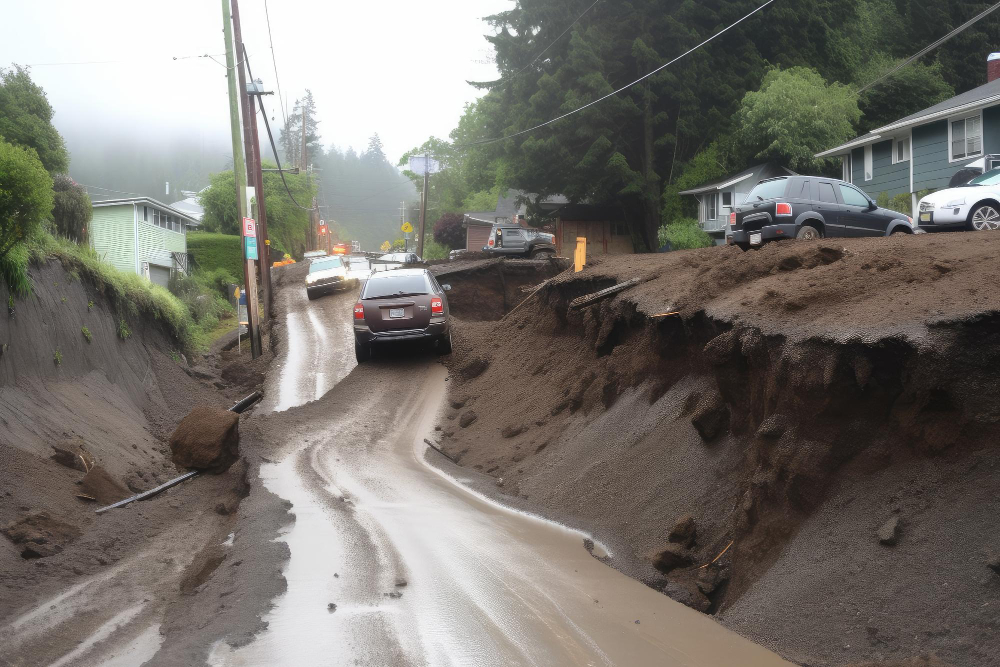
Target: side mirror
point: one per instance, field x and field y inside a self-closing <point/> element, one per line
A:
<point x="872" y="205"/>
<point x="446" y="287"/>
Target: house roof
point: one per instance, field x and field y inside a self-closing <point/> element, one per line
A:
<point x="150" y="202"/>
<point x="982" y="96"/>
<point x="508" y="207"/>
<point x="757" y="173"/>
<point x="191" y="207"/>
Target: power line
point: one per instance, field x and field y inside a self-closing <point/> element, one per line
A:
<point x="484" y="142"/>
<point x="930" y="47"/>
<point x="284" y="118"/>
<point x="552" y="43"/>
<point x="130" y="60"/>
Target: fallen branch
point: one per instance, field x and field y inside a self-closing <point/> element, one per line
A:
<point x="439" y="451"/>
<point x="675" y="312"/>
<point x="717" y="557"/>
<point x="588" y="299"/>
<point x="147" y="494"/>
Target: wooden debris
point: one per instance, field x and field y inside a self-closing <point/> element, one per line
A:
<point x="84" y="496"/>
<point x="439" y="450"/>
<point x="588" y="299"/>
<point x="658" y="315"/>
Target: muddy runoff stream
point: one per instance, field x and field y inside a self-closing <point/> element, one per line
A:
<point x="394" y="561"/>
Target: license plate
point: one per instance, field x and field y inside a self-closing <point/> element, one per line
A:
<point x="395" y="312"/>
<point x="925" y="217"/>
<point x="755" y="239"/>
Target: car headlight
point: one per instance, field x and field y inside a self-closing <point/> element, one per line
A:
<point x="926" y="206"/>
<point x="958" y="202"/>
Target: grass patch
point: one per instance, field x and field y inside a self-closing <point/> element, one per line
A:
<point x="216" y="251"/>
<point x="204" y="337"/>
<point x="86" y="334"/>
<point x="57" y="357"/>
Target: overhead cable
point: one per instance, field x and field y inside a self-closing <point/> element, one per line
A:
<point x="281" y="100"/>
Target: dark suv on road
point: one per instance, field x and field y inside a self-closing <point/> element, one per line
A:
<point x="810" y="207"/>
<point x="515" y="241"/>
<point x="400" y="305"/>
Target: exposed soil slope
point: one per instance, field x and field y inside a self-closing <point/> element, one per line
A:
<point x="801" y="398"/>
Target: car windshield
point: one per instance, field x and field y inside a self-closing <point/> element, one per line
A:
<point x="394" y="285"/>
<point x="989" y="178"/>
<point x="393" y="257"/>
<point x="768" y="190"/>
<point x="325" y="264"/>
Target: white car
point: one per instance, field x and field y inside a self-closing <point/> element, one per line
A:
<point x="974" y="206"/>
<point x="327" y="274"/>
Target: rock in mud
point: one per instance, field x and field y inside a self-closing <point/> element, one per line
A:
<point x="890" y="531"/>
<point x="711" y="577"/>
<point x="711" y="417"/>
<point x="101" y="485"/>
<point x="684" y="531"/>
<point x="70" y="453"/>
<point x="685" y="591"/>
<point x="39" y="535"/>
<point x="207" y="439"/>
<point x="474" y="368"/>
<point x="511" y="430"/>
<point x="467" y="418"/>
<point x="994" y="563"/>
<point x="773" y="427"/>
<point x="672" y="557"/>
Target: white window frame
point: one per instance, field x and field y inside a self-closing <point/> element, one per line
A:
<point x="895" y="150"/>
<point x="712" y="206"/>
<point x="723" y="203"/>
<point x="869" y="163"/>
<point x="966" y="117"/>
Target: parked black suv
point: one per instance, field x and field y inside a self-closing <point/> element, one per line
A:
<point x="515" y="241"/>
<point x="810" y="207"/>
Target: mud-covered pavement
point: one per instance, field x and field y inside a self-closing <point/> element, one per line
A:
<point x="394" y="561"/>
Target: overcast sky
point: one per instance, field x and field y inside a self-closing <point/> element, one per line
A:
<point x="396" y="67"/>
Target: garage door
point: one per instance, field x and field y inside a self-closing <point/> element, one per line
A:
<point x="159" y="274"/>
<point x="477" y="236"/>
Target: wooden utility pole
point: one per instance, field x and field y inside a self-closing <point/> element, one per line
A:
<point x="252" y="146"/>
<point x="240" y="174"/>
<point x="423" y="207"/>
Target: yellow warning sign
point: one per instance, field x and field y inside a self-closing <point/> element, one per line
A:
<point x="386" y="246"/>
<point x="407" y="228"/>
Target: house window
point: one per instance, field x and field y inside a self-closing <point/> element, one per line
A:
<point x="901" y="151"/>
<point x="966" y="137"/>
<point x="145" y="214"/>
<point x="869" y="169"/>
<point x="727" y="198"/>
<point x="619" y="229"/>
<point x="156" y="217"/>
<point x="847" y="167"/>
<point x="713" y="201"/>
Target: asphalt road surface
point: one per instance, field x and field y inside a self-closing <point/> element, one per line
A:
<point x="394" y="561"/>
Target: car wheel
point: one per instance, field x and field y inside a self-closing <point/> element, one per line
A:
<point x="809" y="233"/>
<point x="542" y="254"/>
<point x="444" y="344"/>
<point x="310" y="294"/>
<point x="362" y="351"/>
<point x="899" y="230"/>
<point x="984" y="218"/>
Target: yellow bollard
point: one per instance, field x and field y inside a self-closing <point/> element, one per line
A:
<point x="580" y="256"/>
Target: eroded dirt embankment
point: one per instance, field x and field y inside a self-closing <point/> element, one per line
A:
<point x="823" y="415"/>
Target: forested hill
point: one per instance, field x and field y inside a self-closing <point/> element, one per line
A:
<point x="781" y="85"/>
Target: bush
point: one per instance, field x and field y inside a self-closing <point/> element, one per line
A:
<point x="215" y="251"/>
<point x="434" y="250"/>
<point x="72" y="211"/>
<point x="25" y="199"/>
<point x="448" y="231"/>
<point x="901" y="203"/>
<point x="684" y="234"/>
<point x="205" y="304"/>
<point x="882" y="200"/>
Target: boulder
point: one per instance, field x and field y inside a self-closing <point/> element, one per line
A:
<point x="711" y="417"/>
<point x="98" y="484"/>
<point x="711" y="577"/>
<point x="671" y="557"/>
<point x="889" y="533"/>
<point x="510" y="431"/>
<point x="207" y="439"/>
<point x="467" y="418"/>
<point x="39" y="535"/>
<point x="684" y="531"/>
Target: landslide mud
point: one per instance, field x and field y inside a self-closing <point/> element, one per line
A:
<point x="802" y="396"/>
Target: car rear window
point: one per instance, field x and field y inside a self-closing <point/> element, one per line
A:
<point x="325" y="264"/>
<point x="383" y="286"/>
<point x="768" y="190"/>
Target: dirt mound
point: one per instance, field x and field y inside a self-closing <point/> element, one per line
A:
<point x="101" y="486"/>
<point x="207" y="439"/>
<point x="488" y="289"/>
<point x="40" y="535"/>
<point x="761" y="393"/>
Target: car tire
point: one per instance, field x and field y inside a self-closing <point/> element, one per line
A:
<point x="362" y="352"/>
<point x="542" y="254"/>
<point x="984" y="218"/>
<point x="444" y="344"/>
<point x="310" y="294"/>
<point x="899" y="230"/>
<point x="808" y="233"/>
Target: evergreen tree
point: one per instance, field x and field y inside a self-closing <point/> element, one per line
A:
<point x="291" y="135"/>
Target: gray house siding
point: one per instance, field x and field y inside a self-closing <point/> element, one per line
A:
<point x="931" y="168"/>
<point x="887" y="177"/>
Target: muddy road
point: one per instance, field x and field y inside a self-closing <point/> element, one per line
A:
<point x="395" y="561"/>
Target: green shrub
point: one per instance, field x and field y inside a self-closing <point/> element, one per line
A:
<point x="86" y="334"/>
<point x="901" y="203"/>
<point x="434" y="250"/>
<point x="123" y="331"/>
<point x="214" y="251"/>
<point x="882" y="200"/>
<point x="57" y="356"/>
<point x="684" y="234"/>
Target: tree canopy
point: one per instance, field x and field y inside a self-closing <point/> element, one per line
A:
<point x="26" y="119"/>
<point x="25" y="194"/>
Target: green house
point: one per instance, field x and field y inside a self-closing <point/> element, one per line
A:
<point x="141" y="235"/>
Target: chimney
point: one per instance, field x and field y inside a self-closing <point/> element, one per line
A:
<point x="993" y="67"/>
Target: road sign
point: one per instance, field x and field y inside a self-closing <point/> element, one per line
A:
<point x="420" y="164"/>
<point x="407" y="228"/>
<point x="251" y="244"/>
<point x="249" y="227"/>
<point x="386" y="246"/>
<point x="322" y="230"/>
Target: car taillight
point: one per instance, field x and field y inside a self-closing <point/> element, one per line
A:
<point x="782" y="209"/>
<point x="732" y="219"/>
<point x="359" y="311"/>
<point x="437" y="306"/>
<point x="490" y="243"/>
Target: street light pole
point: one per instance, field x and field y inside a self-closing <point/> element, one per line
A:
<point x="423" y="207"/>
